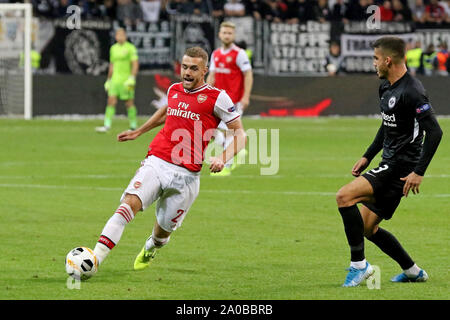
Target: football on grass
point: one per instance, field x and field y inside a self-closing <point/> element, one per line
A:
<point x="81" y="263"/>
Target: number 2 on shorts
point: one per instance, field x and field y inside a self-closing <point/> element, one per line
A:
<point x="180" y="213"/>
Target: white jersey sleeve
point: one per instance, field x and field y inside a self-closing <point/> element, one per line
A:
<point x="225" y="109"/>
<point x="212" y="64"/>
<point x="242" y="61"/>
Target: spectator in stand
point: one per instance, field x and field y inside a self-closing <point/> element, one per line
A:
<point x="304" y="11"/>
<point x="291" y="16"/>
<point x="150" y="10"/>
<point x="217" y="8"/>
<point x="334" y="61"/>
<point x="435" y="13"/>
<point x="418" y="12"/>
<point x="427" y="60"/>
<point x="60" y="8"/>
<point x="129" y="12"/>
<point x="339" y="11"/>
<point x="321" y="11"/>
<point x="92" y="9"/>
<point x="413" y="58"/>
<point x="402" y="12"/>
<point x="441" y="60"/>
<point x="357" y="10"/>
<point x="200" y="7"/>
<point x="234" y="8"/>
<point x="254" y="8"/>
<point x="446" y="5"/>
<point x="109" y="7"/>
<point x="45" y="8"/>
<point x="274" y="11"/>
<point x="179" y="7"/>
<point x="386" y="12"/>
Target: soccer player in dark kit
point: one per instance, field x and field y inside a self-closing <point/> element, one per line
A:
<point x="406" y="114"/>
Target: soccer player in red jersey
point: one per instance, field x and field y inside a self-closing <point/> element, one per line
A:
<point x="170" y="174"/>
<point x="230" y="70"/>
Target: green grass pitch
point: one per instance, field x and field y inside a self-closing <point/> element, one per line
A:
<point x="247" y="236"/>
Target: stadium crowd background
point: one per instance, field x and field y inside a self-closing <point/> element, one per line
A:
<point x="288" y="11"/>
<point x="421" y="58"/>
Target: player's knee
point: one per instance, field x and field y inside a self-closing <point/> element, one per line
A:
<point x="370" y="230"/>
<point x="343" y="198"/>
<point x="133" y="201"/>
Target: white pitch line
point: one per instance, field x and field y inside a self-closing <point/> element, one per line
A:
<point x="238" y="176"/>
<point x="238" y="191"/>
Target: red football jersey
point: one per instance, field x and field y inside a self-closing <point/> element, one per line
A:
<point x="229" y="67"/>
<point x="192" y="117"/>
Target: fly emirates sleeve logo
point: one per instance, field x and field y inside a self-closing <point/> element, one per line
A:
<point x="183" y="112"/>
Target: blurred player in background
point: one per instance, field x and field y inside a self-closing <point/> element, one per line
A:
<point x="171" y="171"/>
<point x="406" y="114"/>
<point x="230" y="70"/>
<point x="123" y="68"/>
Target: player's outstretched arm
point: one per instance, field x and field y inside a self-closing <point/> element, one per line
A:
<point x="211" y="78"/>
<point x="248" y="85"/>
<point x="240" y="139"/>
<point x="433" y="137"/>
<point x="157" y="119"/>
<point x="370" y="153"/>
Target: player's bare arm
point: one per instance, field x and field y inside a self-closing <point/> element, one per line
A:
<point x="110" y="70"/>
<point x="211" y="79"/>
<point x="134" y="67"/>
<point x="240" y="139"/>
<point x="360" y="166"/>
<point x="248" y="85"/>
<point x="157" y="119"/>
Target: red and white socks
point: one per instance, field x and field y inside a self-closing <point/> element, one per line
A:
<point x="112" y="232"/>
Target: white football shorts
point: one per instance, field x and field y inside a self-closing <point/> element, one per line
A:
<point x="173" y="186"/>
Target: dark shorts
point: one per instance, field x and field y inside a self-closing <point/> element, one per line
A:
<point x="387" y="187"/>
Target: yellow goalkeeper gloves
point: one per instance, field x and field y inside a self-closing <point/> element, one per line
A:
<point x="130" y="82"/>
<point x="107" y="85"/>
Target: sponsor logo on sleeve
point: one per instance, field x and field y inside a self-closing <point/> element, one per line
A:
<point x="423" y="108"/>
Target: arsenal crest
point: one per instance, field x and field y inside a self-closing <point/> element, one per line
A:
<point x="202" y="98"/>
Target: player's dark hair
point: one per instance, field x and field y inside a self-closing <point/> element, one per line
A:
<point x="197" y="52"/>
<point x="392" y="46"/>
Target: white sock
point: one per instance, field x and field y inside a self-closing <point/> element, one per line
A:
<point x="112" y="232"/>
<point x="413" y="271"/>
<point x="101" y="251"/>
<point x="150" y="243"/>
<point x="358" y="264"/>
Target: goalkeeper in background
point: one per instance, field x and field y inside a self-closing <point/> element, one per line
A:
<point x="123" y="68"/>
